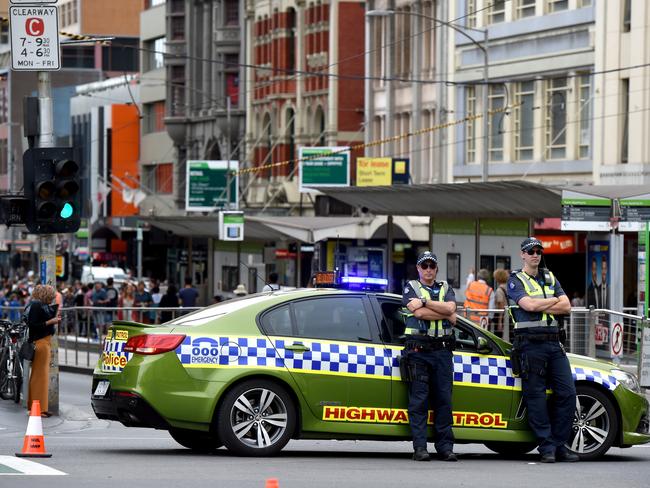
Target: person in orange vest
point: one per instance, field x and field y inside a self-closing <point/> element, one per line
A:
<point x="479" y="296"/>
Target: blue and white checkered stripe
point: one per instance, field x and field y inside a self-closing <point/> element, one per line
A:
<point x="117" y="348"/>
<point x="349" y="358"/>
<point x="607" y="380"/>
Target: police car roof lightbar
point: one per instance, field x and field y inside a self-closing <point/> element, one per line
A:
<point x="363" y="280"/>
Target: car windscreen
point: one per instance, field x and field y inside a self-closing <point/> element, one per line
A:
<point x="205" y="315"/>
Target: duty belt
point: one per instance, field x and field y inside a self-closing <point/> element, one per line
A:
<point x="538" y="337"/>
<point x="429" y="332"/>
<point x="535" y="323"/>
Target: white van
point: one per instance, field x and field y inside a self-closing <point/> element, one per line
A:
<point x="102" y="273"/>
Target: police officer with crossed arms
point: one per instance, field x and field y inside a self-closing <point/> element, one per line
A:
<point x="427" y="359"/>
<point x="536" y="297"/>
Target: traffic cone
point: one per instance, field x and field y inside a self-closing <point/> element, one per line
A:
<point x="34" y="445"/>
<point x="272" y="483"/>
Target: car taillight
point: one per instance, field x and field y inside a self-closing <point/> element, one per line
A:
<point x="153" y="343"/>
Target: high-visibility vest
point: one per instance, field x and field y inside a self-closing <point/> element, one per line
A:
<point x="534" y="290"/>
<point x="477" y="296"/>
<point x="436" y="328"/>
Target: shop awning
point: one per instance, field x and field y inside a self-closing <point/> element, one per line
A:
<point x="503" y="199"/>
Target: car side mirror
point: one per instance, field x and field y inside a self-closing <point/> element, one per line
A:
<point x="484" y="346"/>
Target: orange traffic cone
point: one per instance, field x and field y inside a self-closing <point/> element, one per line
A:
<point x="34" y="445"/>
<point x="272" y="483"/>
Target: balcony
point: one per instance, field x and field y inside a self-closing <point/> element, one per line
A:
<point x="227" y="35"/>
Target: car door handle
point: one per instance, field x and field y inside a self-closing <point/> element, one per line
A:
<point x="297" y="347"/>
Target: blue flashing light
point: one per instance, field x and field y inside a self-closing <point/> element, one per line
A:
<point x="364" y="280"/>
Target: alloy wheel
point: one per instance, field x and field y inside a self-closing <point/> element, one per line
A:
<point x="591" y="425"/>
<point x="259" y="418"/>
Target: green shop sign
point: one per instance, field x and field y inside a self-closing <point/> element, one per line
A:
<point x="207" y="187"/>
<point x="324" y="166"/>
<point x="635" y="213"/>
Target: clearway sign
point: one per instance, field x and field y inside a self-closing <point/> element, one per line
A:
<point x="34" y="38"/>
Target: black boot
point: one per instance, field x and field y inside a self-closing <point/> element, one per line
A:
<point x="421" y="454"/>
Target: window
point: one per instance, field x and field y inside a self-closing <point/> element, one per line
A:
<point x="557" y="5"/>
<point x="178" y="28"/>
<point x="4" y="33"/>
<point x="453" y="269"/>
<point x="74" y="12"/>
<point x="524" y="120"/>
<point x="470" y="13"/>
<point x="229" y="277"/>
<point x="154" y="3"/>
<point x="231" y="17"/>
<point x="556" y="118"/>
<point x="153" y="117"/>
<point x="497" y="100"/>
<point x="428" y="29"/>
<point x="497" y="12"/>
<point x="165" y="178"/>
<point x="584" y="112"/>
<point x="232" y="87"/>
<point x="277" y="322"/>
<point x="625" y="110"/>
<point x="525" y="8"/>
<point x="335" y="318"/>
<point x="627" y="15"/>
<point x="178" y="91"/>
<point x="470" y="125"/>
<point x="403" y="46"/>
<point x="154" y="53"/>
<point x="585" y="3"/>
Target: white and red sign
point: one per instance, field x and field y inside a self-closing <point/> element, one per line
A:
<point x="616" y="342"/>
<point x="34" y="38"/>
<point x="602" y="334"/>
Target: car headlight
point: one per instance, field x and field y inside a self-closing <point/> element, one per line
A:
<point x="629" y="380"/>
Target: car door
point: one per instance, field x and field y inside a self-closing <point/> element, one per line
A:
<point x="483" y="382"/>
<point x="331" y="350"/>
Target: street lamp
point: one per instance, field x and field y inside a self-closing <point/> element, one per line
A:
<point x="483" y="48"/>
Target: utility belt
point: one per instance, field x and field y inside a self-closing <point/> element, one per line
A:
<point x="555" y="336"/>
<point x="430" y="333"/>
<point x="426" y="344"/>
<point x="534" y="323"/>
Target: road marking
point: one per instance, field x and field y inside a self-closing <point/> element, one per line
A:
<point x="16" y="466"/>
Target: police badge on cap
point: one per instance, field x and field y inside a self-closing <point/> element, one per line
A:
<point x="427" y="256"/>
<point x="530" y="242"/>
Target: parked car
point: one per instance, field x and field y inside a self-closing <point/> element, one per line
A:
<point x="255" y="372"/>
<point x="102" y="273"/>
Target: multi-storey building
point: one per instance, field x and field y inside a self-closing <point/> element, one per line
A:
<point x="303" y="86"/>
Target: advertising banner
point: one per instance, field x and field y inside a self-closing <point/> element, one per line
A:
<point x="585" y="212"/>
<point x="324" y="166"/>
<point x="207" y="185"/>
<point x="597" y="274"/>
<point x="374" y="171"/>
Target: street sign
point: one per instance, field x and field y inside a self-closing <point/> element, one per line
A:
<point x="581" y="211"/>
<point x="644" y="360"/>
<point x="207" y="186"/>
<point x="231" y="226"/>
<point x="34" y="38"/>
<point x="324" y="166"/>
<point x="617" y="340"/>
<point x="635" y="212"/>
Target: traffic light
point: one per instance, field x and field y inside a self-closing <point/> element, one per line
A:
<point x="52" y="187"/>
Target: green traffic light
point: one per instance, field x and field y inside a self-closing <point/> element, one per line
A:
<point x="66" y="211"/>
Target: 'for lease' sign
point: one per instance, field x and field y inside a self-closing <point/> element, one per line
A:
<point x="34" y="38"/>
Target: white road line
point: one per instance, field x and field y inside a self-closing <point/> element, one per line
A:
<point x="28" y="467"/>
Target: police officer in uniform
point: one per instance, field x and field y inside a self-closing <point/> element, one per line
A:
<point x="536" y="297"/>
<point x="430" y="311"/>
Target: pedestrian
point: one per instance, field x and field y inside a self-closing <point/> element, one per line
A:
<point x="169" y="300"/>
<point x="500" y="297"/>
<point x="188" y="294"/>
<point x="99" y="298"/>
<point x="112" y="295"/>
<point x="15" y="305"/>
<point x="470" y="276"/>
<point x="479" y="296"/>
<point x="240" y="290"/>
<point x="156" y="296"/>
<point x="272" y="284"/>
<point x="428" y="358"/>
<point x="142" y="299"/>
<point x="536" y="297"/>
<point x="42" y="319"/>
<point x="126" y="303"/>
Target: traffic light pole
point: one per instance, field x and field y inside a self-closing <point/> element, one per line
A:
<point x="47" y="242"/>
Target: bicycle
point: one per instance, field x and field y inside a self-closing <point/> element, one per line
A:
<point x="12" y="336"/>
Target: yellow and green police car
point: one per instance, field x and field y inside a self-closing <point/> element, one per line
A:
<point x="251" y="374"/>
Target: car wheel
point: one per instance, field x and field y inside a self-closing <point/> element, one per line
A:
<point x="196" y="440"/>
<point x="256" y="418"/>
<point x="511" y="449"/>
<point x="595" y="423"/>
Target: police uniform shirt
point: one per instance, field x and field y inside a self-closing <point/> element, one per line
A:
<point x="516" y="292"/>
<point x="434" y="292"/>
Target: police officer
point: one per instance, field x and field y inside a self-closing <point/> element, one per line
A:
<point x="536" y="297"/>
<point x="430" y="311"/>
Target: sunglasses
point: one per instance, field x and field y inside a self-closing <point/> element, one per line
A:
<point x="539" y="252"/>
<point x="428" y="266"/>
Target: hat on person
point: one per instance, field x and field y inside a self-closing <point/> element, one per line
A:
<point x="240" y="290"/>
<point x="426" y="256"/>
<point x="530" y="242"/>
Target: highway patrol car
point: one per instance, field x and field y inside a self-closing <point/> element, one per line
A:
<point x="252" y="373"/>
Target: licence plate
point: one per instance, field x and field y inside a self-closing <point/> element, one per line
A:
<point x="101" y="388"/>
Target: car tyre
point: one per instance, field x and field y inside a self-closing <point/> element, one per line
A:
<point x="256" y="418"/>
<point x="595" y="423"/>
<point x="511" y="450"/>
<point x="196" y="440"/>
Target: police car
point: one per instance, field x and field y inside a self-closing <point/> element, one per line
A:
<point x="251" y="374"/>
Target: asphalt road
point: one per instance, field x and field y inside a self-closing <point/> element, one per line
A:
<point x="98" y="453"/>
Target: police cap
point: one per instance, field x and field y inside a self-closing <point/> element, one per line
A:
<point x="530" y="242"/>
<point x="426" y="256"/>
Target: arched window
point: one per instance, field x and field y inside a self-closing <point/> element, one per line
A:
<point x="291" y="38"/>
<point x="291" y="134"/>
<point x="319" y="126"/>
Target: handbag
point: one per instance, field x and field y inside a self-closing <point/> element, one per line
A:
<point x="27" y="349"/>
